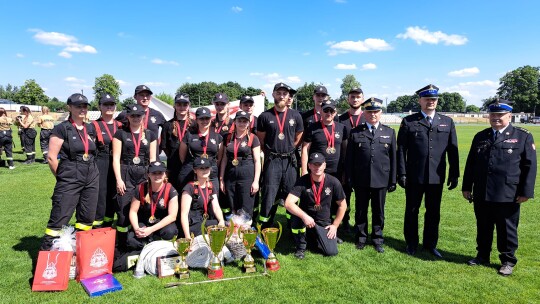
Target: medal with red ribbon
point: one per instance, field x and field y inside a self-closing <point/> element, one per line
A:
<point x="317" y="192"/>
<point x="146" y="114"/>
<point x="108" y="131"/>
<point x="84" y="139"/>
<point x="281" y="124"/>
<point x="218" y="129"/>
<point x="181" y="134"/>
<point x="137" y="144"/>
<point x="154" y="203"/>
<point x="205" y="199"/>
<point x="316" y="115"/>
<point x="236" y="145"/>
<point x="330" y="138"/>
<point x="354" y="124"/>
<point x="204" y="144"/>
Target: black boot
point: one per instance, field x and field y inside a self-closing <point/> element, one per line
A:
<point x="32" y="158"/>
<point x="45" y="160"/>
<point x="28" y="159"/>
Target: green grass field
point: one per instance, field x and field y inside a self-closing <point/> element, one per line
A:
<point x="351" y="277"/>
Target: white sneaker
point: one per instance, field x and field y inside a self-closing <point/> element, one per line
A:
<point x="11" y="167"/>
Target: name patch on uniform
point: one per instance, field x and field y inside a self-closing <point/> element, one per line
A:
<point x="443" y="125"/>
<point x="511" y="140"/>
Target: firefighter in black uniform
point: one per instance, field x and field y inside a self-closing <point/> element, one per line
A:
<point x="317" y="191"/>
<point x="499" y="176"/>
<point x="28" y="134"/>
<point x="172" y="134"/>
<point x="351" y="119"/>
<point x="320" y="95"/>
<point x="371" y="170"/>
<point x="241" y="166"/>
<point x="106" y="127"/>
<point x="6" y="139"/>
<point x="134" y="147"/>
<point x="153" y="210"/>
<point x="153" y="119"/>
<point x="199" y="201"/>
<point x="222" y="121"/>
<point x="424" y="140"/>
<point x="280" y="131"/>
<point x="77" y="176"/>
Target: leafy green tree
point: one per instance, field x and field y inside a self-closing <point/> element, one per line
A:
<point x="472" y="109"/>
<point x="349" y="82"/>
<point x="168" y="98"/>
<point x="304" y="97"/>
<point x="233" y="90"/>
<point x="251" y="91"/>
<point x="486" y="102"/>
<point x="404" y="103"/>
<point x="522" y="87"/>
<point x="31" y="93"/>
<point x="9" y="92"/>
<point x="106" y="84"/>
<point x="55" y="105"/>
<point x="128" y="101"/>
<point x="200" y="94"/>
<point x="451" y="102"/>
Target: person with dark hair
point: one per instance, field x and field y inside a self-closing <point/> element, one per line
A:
<point x="222" y="121"/>
<point x="77" y="176"/>
<point x="6" y="139"/>
<point x="134" y="147"/>
<point x="46" y="123"/>
<point x="240" y="166"/>
<point x="153" y="210"/>
<point x="28" y="134"/>
<point x="106" y="127"/>
<point x="172" y="134"/>
<point x="199" y="201"/>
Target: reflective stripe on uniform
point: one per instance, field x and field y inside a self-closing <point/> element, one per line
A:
<point x="226" y="210"/>
<point x="288" y="215"/>
<point x="97" y="223"/>
<point x="82" y="227"/>
<point x="108" y="219"/>
<point x="52" y="232"/>
<point x="122" y="229"/>
<point x="298" y="231"/>
<point x="263" y="219"/>
<point x="9" y="158"/>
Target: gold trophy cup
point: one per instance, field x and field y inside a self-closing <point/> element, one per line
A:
<point x="249" y="236"/>
<point x="271" y="236"/>
<point x="182" y="246"/>
<point x="217" y="236"/>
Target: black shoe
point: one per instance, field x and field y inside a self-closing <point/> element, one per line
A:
<point x="379" y="248"/>
<point x="477" y="261"/>
<point x="339" y="241"/>
<point x="360" y="245"/>
<point x="345" y="228"/>
<point x="410" y="250"/>
<point x="45" y="161"/>
<point x="435" y="252"/>
<point x="300" y="254"/>
<point x="506" y="269"/>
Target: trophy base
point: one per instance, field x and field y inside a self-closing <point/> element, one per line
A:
<point x="183" y="276"/>
<point x="250" y="269"/>
<point x="272" y="265"/>
<point x="214" y="274"/>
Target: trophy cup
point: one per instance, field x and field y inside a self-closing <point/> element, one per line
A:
<point x="182" y="246"/>
<point x="249" y="236"/>
<point x="218" y="237"/>
<point x="271" y="236"/>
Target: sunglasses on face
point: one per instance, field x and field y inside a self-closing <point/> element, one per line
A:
<point x="329" y="110"/>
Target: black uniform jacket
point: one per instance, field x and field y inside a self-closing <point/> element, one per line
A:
<point x="502" y="170"/>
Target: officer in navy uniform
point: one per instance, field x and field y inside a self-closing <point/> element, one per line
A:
<point x="317" y="191"/>
<point x="320" y="95"/>
<point x="499" y="176"/>
<point x="371" y="169"/>
<point x="77" y="176"/>
<point x="280" y="131"/>
<point x="424" y="141"/>
<point x="351" y="119"/>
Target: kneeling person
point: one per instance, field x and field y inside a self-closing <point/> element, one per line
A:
<point x="317" y="191"/>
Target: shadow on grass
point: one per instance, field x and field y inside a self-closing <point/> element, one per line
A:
<point x="31" y="245"/>
<point x="422" y="254"/>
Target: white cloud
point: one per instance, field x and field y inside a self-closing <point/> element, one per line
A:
<point x="338" y="79"/>
<point x="74" y="79"/>
<point x="236" y="9"/>
<point x="368" y="45"/>
<point x="464" y="72"/>
<point x="421" y="35"/>
<point x="369" y="66"/>
<point x="255" y="74"/>
<point x="156" y="84"/>
<point x="122" y="83"/>
<point x="70" y="43"/>
<point x="19" y="55"/>
<point x="43" y="64"/>
<point x="483" y="83"/>
<point x="343" y="66"/>
<point x="161" y="61"/>
<point x="294" y="79"/>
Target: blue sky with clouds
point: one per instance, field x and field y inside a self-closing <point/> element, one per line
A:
<point x="392" y="47"/>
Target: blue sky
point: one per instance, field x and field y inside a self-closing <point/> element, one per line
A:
<point x="392" y="47"/>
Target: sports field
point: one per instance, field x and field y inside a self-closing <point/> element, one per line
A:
<point x="351" y="277"/>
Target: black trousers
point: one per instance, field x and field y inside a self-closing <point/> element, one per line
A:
<point x="166" y="233"/>
<point x="132" y="175"/>
<point x="238" y="180"/>
<point x="314" y="238"/>
<point x="505" y="218"/>
<point x="106" y="206"/>
<point x="77" y="184"/>
<point x="363" y="196"/>
<point x="279" y="174"/>
<point x="28" y="138"/>
<point x="6" y="142"/>
<point x="44" y="136"/>
<point x="414" y="194"/>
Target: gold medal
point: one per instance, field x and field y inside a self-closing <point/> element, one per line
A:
<point x="152" y="220"/>
<point x="204" y="155"/>
<point x="318" y="207"/>
<point x="205" y="216"/>
<point x="281" y="136"/>
<point x="328" y="150"/>
<point x="136" y="160"/>
<point x="235" y="162"/>
<point x="85" y="157"/>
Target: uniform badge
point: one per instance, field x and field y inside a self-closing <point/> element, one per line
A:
<point x="337" y="135"/>
<point x="161" y="203"/>
<point x="510" y="151"/>
<point x="144" y="141"/>
<point x="291" y="122"/>
<point x="243" y="144"/>
<point x="213" y="141"/>
<point x="533" y="147"/>
<point x="225" y="128"/>
<point x="327" y="191"/>
<point x="153" y="119"/>
<point x="386" y="146"/>
<point x="359" y="144"/>
<point x="308" y="190"/>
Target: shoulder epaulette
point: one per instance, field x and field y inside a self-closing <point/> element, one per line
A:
<point x="522" y="130"/>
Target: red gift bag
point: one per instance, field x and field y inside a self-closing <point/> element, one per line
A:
<point x="95" y="252"/>
<point x="52" y="271"/>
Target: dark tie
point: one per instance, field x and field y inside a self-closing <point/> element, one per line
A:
<point x="429" y="120"/>
<point x="495" y="135"/>
<point x="373" y="130"/>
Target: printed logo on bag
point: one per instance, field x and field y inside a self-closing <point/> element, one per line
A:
<point x="99" y="258"/>
<point x="50" y="271"/>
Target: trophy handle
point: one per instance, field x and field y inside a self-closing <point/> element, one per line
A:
<point x="203" y="230"/>
<point x="230" y="231"/>
<point x="280" y="231"/>
<point x="259" y="229"/>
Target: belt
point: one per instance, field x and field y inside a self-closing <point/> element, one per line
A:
<point x="281" y="155"/>
<point x="129" y="162"/>
<point x="79" y="159"/>
<point x="242" y="161"/>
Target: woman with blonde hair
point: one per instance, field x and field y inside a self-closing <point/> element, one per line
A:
<point x="46" y="123"/>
